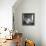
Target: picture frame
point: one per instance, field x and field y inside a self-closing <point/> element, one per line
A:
<point x="28" y="18"/>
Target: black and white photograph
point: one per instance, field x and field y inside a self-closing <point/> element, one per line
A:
<point x="28" y="18"/>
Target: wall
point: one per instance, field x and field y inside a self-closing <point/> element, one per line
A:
<point x="29" y="32"/>
<point x="6" y="13"/>
<point x="43" y="22"/>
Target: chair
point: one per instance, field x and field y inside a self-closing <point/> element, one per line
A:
<point x="29" y="43"/>
<point x="18" y="39"/>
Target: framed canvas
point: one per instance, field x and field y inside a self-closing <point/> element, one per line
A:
<point x="28" y="18"/>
